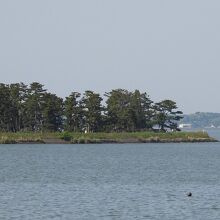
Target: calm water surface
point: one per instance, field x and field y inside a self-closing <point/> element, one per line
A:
<point x="113" y="181"/>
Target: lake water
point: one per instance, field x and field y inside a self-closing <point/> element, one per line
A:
<point x="110" y="181"/>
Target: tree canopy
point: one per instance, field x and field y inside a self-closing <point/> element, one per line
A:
<point x="33" y="108"/>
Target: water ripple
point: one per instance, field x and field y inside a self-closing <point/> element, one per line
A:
<point x="110" y="182"/>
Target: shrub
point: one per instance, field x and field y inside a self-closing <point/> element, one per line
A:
<point x="66" y="136"/>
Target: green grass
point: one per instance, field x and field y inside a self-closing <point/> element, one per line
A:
<point x="10" y="137"/>
<point x="126" y="135"/>
<point x="22" y="137"/>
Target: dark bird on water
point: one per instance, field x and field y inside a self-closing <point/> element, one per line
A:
<point x="189" y="194"/>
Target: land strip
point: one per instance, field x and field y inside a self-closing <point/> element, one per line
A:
<point x="89" y="138"/>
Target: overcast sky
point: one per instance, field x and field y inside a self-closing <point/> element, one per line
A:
<point x="170" y="49"/>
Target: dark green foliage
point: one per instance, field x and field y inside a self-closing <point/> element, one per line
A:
<point x="18" y="94"/>
<point x="128" y="111"/>
<point x="52" y="112"/>
<point x="5" y="108"/>
<point x="73" y="112"/>
<point x="66" y="136"/>
<point x="92" y="111"/>
<point x="166" y="116"/>
<point x="32" y="108"/>
<point x="141" y="108"/>
<point x="119" y="112"/>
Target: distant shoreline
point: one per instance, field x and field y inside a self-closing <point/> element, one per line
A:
<point x="102" y="138"/>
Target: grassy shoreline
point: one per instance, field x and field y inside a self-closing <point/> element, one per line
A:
<point x="124" y="137"/>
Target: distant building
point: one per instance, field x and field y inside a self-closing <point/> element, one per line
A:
<point x="211" y="126"/>
<point x="181" y="126"/>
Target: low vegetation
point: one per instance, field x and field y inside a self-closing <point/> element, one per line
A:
<point x="121" y="137"/>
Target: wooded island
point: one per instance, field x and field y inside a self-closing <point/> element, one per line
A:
<point x="32" y="110"/>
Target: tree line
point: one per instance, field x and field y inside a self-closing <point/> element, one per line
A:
<point x="33" y="108"/>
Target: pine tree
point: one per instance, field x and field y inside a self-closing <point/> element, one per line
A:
<point x="166" y="116"/>
<point x="34" y="107"/>
<point x="5" y="106"/>
<point x="52" y="112"/>
<point x="73" y="112"/>
<point x="92" y="111"/>
<point x="119" y="110"/>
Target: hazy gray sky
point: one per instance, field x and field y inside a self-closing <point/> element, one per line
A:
<point x="170" y="49"/>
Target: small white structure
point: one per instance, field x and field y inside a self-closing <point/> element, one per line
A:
<point x="185" y="126"/>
